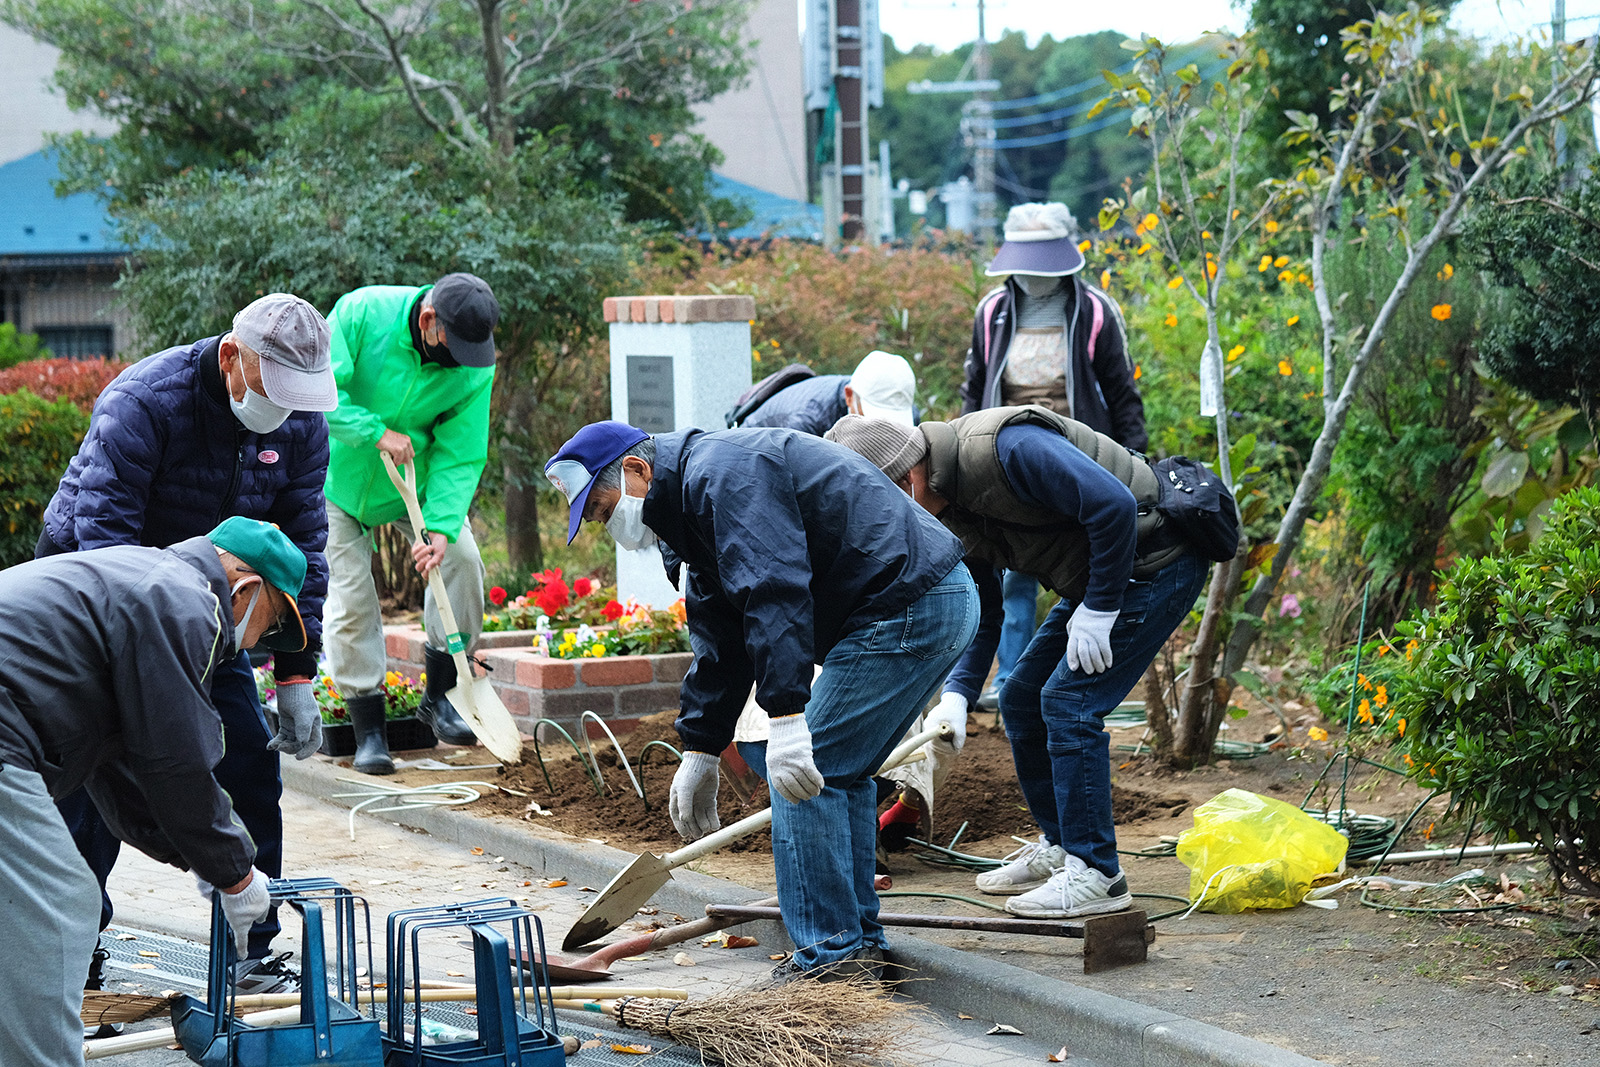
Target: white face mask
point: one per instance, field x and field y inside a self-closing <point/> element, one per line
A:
<point x="257" y="413"/>
<point x="238" y="631"/>
<point x="1037" y="285"/>
<point x="626" y="524"/>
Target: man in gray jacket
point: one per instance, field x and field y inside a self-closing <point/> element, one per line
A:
<point x="106" y="660"/>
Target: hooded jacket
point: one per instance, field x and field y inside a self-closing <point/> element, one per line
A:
<point x="384" y="384"/>
<point x="166" y="459"/>
<point x="110" y="689"/>
<point x="788" y="543"/>
<point x="1100" y="374"/>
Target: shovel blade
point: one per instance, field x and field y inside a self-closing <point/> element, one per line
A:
<point x="481" y="706"/>
<point x="619" y="901"/>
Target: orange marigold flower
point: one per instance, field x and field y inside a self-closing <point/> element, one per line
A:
<point x="1284" y="368"/>
<point x="1171" y="319"/>
<point x="1441" y="311"/>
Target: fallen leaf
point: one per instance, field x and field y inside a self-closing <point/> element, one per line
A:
<point x="141" y="966"/>
<point x="958" y="1014"/>
<point x="785" y="955"/>
<point x="683" y="959"/>
<point x="527" y="883"/>
<point x="469" y="1011"/>
<point x="587" y="889"/>
<point x="455" y="974"/>
<point x="127" y="937"/>
<point x="648" y="911"/>
<point x="477" y="852"/>
<point x="151" y="955"/>
<point x="556" y="883"/>
<point x="589" y="1045"/>
<point x="632" y="1050"/>
<point x="739" y="941"/>
<point x="1057" y="1057"/>
<point x="1002" y="1028"/>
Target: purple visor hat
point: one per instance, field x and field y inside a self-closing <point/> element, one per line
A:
<point x="590" y="451"/>
<point x="1041" y="239"/>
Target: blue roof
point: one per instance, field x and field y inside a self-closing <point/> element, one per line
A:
<point x="35" y="221"/>
<point x="775" y="216"/>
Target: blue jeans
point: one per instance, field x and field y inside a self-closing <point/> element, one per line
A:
<point x="1055" y="716"/>
<point x="874" y="682"/>
<point x="247" y="771"/>
<point x="1021" y="599"/>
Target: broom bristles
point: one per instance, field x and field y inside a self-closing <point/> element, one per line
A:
<point x="101" y="1007"/>
<point x="805" y="1023"/>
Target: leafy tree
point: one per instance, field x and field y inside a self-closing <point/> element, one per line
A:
<point x="17" y="347"/>
<point x="1539" y="244"/>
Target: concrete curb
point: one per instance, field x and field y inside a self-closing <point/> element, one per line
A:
<point x="1109" y="1030"/>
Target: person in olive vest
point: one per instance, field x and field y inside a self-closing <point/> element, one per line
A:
<point x="1032" y="491"/>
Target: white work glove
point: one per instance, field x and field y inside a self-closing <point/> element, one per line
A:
<point x="952" y="709"/>
<point x="791" y="771"/>
<point x="1089" y="639"/>
<point x="693" y="799"/>
<point x="297" y="724"/>
<point x="245" y="908"/>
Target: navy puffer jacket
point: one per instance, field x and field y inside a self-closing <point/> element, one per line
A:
<point x="165" y="459"/>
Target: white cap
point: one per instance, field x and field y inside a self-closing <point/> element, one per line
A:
<point x="885" y="386"/>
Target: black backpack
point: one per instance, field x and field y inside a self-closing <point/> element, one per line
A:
<point x="764" y="390"/>
<point x="1198" y="507"/>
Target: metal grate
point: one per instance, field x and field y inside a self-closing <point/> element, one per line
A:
<point x="180" y="965"/>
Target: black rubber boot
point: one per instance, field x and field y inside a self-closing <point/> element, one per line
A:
<point x="372" y="742"/>
<point x="437" y="711"/>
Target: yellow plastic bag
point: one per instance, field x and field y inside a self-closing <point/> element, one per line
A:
<point x="1250" y="851"/>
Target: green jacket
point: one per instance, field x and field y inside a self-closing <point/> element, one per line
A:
<point x="385" y="385"/>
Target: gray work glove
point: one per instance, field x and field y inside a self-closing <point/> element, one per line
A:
<point x="693" y="800"/>
<point x="242" y="909"/>
<point x="1089" y="639"/>
<point x="297" y="724"/>
<point x="791" y="769"/>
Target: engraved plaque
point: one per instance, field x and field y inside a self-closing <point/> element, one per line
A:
<point x="650" y="405"/>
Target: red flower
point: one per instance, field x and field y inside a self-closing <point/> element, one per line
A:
<point x="497" y="596"/>
<point x="612" y="611"/>
<point x="552" y="597"/>
<point x="582" y="586"/>
<point x="544" y="578"/>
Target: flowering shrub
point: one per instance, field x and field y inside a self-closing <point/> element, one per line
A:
<point x="639" y="631"/>
<point x="402" y="696"/>
<point x="1379" y="679"/>
<point x="560" y="606"/>
<point x="37" y="439"/>
<point x="78" y="380"/>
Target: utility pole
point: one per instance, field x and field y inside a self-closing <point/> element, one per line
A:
<point x="850" y="131"/>
<point x="1558" y="37"/>
<point x="983" y="157"/>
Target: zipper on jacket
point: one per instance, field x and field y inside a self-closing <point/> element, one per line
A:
<point x="238" y="476"/>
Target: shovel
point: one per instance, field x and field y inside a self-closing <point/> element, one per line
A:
<point x="474" y="698"/>
<point x="641" y="879"/>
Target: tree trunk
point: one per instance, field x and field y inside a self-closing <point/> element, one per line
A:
<point x="1198" y="714"/>
<point x="522" y="483"/>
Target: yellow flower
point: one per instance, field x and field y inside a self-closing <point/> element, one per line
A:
<point x="1291" y="320"/>
<point x="1175" y="282"/>
<point x="1105" y="279"/>
<point x="1084" y="245"/>
<point x="1400" y="727"/>
<point x="1286" y="276"/>
<point x="1211" y="270"/>
<point x="1361" y="680"/>
<point x="774" y="343"/>
<point x="1272" y="226"/>
<point x="1382" y="696"/>
<point x="1235" y="352"/>
<point x="1317" y="733"/>
<point x="1407" y="757"/>
<point x="1441" y="311"/>
<point x="1171" y="319"/>
<point x="1142" y="249"/>
<point x="1284" y="368"/>
<point x="1303" y="278"/>
<point x="1446" y="272"/>
<point x="1364" y="709"/>
<point x="1281" y="261"/>
<point x="1205" y="235"/>
<point x="1150" y="221"/>
<point x="1137" y="372"/>
<point x="1266" y="261"/>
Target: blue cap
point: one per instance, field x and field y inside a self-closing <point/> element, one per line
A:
<point x="591" y="450"/>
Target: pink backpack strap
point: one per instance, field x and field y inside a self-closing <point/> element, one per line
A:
<point x="989" y="305"/>
<point x="1099" y="321"/>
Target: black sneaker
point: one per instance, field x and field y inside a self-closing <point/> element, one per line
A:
<point x="865" y="961"/>
<point x="94" y="983"/>
<point x="269" y="974"/>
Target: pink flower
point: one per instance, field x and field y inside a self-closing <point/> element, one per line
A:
<point x="1289" y="608"/>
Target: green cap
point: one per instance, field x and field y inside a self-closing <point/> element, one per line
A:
<point x="269" y="552"/>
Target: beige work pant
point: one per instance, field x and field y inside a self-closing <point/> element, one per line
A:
<point x="352" y="623"/>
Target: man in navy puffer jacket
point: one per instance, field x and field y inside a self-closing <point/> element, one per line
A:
<point x="229" y="425"/>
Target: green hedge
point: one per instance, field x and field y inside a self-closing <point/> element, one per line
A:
<point x="37" y="439"/>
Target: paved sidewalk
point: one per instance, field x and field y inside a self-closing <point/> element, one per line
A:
<point x="396" y="867"/>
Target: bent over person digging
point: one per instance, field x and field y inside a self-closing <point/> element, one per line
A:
<point x="106" y="659"/>
<point x="792" y="552"/>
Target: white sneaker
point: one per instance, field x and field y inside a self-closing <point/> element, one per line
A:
<point x="1075" y="889"/>
<point x="1029" y="867"/>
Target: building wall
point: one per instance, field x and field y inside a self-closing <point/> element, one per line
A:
<point x="760" y="128"/>
<point x="33" y="106"/>
<point x="76" y="298"/>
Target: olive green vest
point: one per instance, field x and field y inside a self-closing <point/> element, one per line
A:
<point x="997" y="527"/>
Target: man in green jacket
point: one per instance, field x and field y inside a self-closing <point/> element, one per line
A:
<point x="414" y="366"/>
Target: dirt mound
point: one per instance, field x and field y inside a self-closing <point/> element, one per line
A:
<point x="981" y="791"/>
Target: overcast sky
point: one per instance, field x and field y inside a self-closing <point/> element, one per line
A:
<point x="949" y="23"/>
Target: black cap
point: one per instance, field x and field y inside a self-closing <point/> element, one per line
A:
<point x="468" y="312"/>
